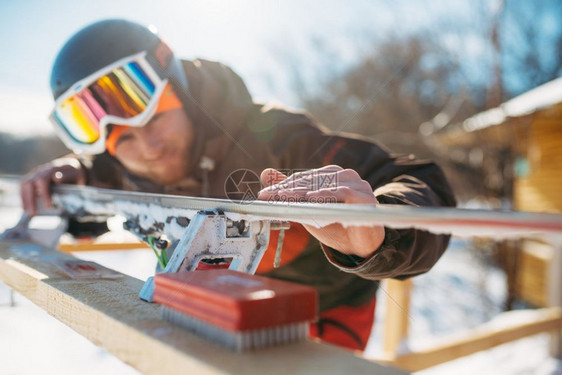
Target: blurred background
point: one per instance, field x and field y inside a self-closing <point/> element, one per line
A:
<point x="401" y="72"/>
<point x="472" y="84"/>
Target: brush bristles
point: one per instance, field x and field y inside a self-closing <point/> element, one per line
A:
<point x="241" y="340"/>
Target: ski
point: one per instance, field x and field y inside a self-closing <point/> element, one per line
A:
<point x="150" y="210"/>
<point x="200" y="231"/>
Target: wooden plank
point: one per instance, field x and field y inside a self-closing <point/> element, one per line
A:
<point x="100" y="246"/>
<point x="110" y="314"/>
<point x="397" y="315"/>
<point x="485" y="337"/>
<point x="533" y="274"/>
<point x="554" y="294"/>
<point x="538" y="196"/>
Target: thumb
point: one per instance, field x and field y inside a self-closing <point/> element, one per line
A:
<point x="270" y="176"/>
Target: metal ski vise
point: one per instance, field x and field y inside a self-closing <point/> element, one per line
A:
<point x="24" y="231"/>
<point x="211" y="235"/>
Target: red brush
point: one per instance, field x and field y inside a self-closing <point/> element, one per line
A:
<point x="238" y="310"/>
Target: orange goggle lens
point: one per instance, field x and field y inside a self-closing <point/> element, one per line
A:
<point x="167" y="102"/>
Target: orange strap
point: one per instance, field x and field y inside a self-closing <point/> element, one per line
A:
<point x="168" y="101"/>
<point x="111" y="141"/>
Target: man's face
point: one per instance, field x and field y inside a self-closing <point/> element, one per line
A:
<point x="160" y="150"/>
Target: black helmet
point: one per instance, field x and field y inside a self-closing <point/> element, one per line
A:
<point x="104" y="42"/>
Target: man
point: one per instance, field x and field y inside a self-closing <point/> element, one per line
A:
<point x="137" y="118"/>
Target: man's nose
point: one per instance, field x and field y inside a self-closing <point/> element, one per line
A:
<point x="152" y="146"/>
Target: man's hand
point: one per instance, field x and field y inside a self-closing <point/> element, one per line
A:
<point x="37" y="183"/>
<point x="330" y="183"/>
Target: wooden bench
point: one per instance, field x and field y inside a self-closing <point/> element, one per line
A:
<point x="110" y="314"/>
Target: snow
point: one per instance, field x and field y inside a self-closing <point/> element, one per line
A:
<point x="461" y="292"/>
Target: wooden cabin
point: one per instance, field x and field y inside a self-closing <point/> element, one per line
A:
<point x="529" y="129"/>
<point x="523" y="138"/>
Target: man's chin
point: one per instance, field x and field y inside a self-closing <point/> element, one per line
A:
<point x="167" y="176"/>
<point x="167" y="171"/>
<point x="166" y="180"/>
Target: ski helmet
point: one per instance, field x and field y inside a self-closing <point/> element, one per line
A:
<point x="101" y="44"/>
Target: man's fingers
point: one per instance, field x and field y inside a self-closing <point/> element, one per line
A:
<point x="42" y="187"/>
<point x="343" y="194"/>
<point x="331" y="184"/>
<point x="270" y="176"/>
<point x="35" y="188"/>
<point x="27" y="195"/>
<point x="315" y="179"/>
<point x="310" y="174"/>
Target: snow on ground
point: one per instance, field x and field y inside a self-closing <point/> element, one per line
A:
<point x="32" y="341"/>
<point x="461" y="292"/>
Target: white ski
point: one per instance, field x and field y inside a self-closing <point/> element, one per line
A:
<point x="207" y="230"/>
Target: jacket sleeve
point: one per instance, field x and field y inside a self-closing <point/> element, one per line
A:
<point x="300" y="143"/>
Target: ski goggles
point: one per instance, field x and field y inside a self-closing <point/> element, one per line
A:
<point x="124" y="93"/>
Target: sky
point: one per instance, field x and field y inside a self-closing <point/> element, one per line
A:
<point x="258" y="39"/>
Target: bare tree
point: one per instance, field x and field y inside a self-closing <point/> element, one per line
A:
<point x="402" y="83"/>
